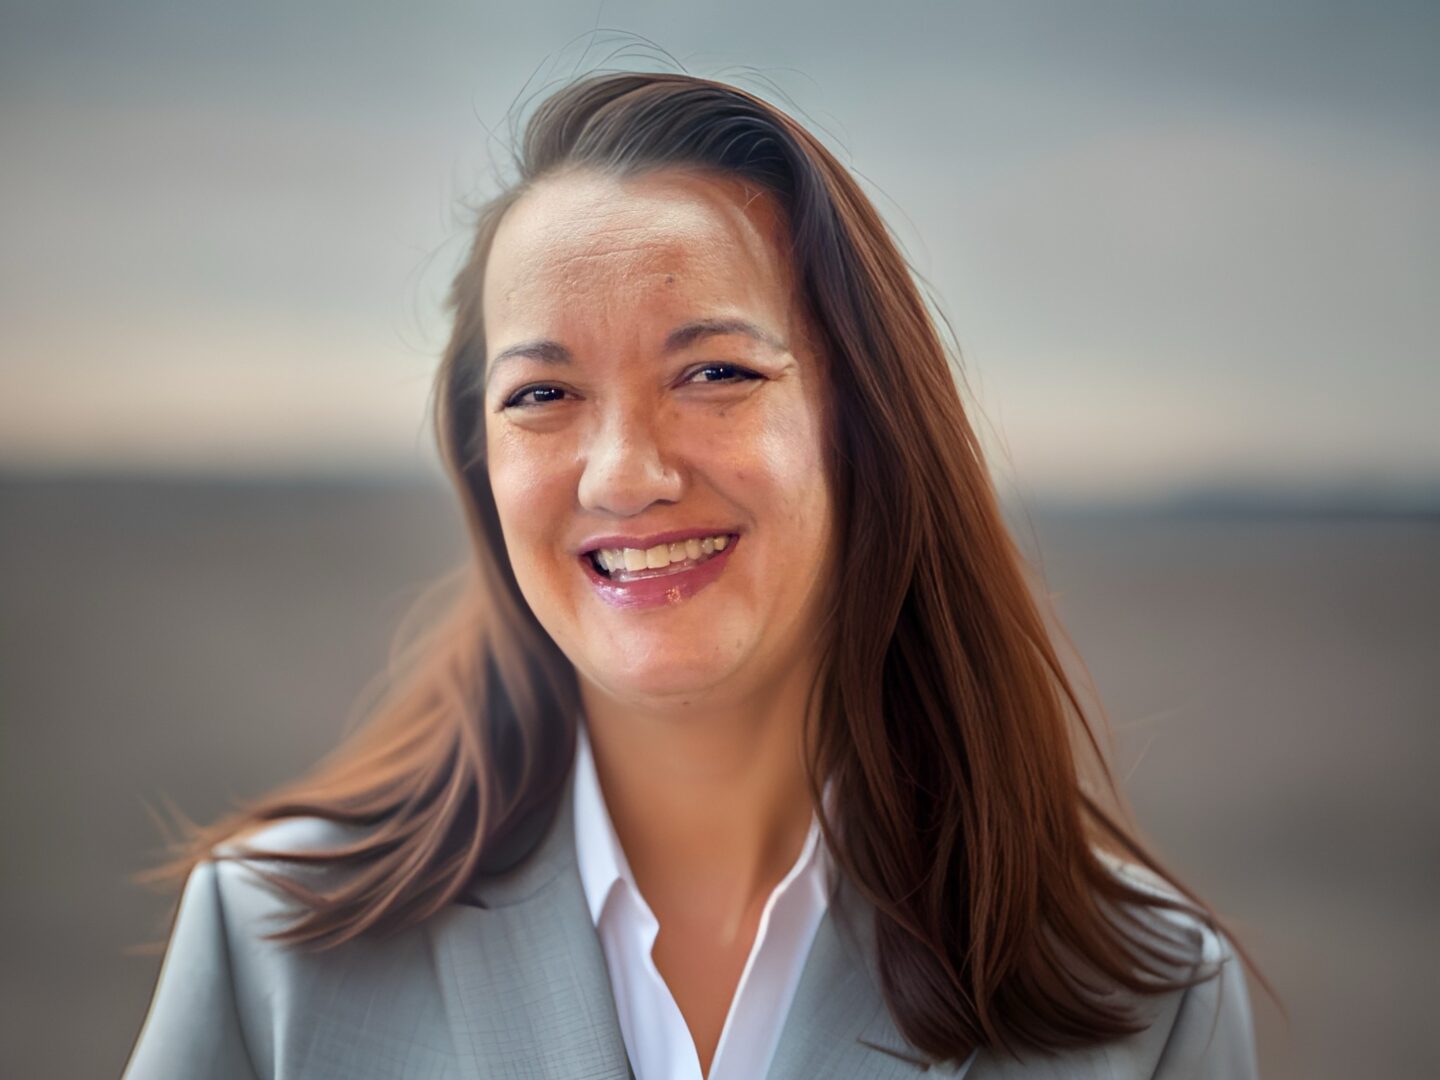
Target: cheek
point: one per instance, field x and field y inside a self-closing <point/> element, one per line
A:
<point x="793" y="446"/>
<point x="776" y="469"/>
<point x="531" y="500"/>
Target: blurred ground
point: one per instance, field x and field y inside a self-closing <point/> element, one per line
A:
<point x="1271" y="682"/>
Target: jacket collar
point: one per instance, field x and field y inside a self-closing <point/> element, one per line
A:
<point x="521" y="971"/>
<point x="527" y="994"/>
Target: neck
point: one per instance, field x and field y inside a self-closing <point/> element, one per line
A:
<point x="710" y="804"/>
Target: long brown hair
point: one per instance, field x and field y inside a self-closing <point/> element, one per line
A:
<point x="945" y="721"/>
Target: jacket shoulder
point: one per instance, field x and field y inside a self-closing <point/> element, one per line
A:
<point x="1208" y="1027"/>
<point x="233" y="1001"/>
<point x="254" y="905"/>
<point x="1199" y="1032"/>
<point x="293" y="834"/>
<point x="1185" y="926"/>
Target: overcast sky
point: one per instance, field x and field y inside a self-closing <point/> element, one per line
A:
<point x="1179" y="244"/>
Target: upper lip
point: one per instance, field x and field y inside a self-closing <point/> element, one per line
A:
<point x="669" y="536"/>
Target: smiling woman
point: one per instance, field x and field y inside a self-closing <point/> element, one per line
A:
<point x="744" y="751"/>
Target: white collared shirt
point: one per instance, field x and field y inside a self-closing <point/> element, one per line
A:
<point x="656" y="1036"/>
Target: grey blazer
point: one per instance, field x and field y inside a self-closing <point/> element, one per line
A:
<point x="511" y="982"/>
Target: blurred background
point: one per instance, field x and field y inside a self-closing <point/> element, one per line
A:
<point x="1189" y="254"/>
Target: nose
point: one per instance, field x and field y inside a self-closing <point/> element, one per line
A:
<point x="626" y="465"/>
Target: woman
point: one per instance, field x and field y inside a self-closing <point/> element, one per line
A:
<point x="745" y="751"/>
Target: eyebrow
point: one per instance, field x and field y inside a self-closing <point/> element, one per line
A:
<point x="682" y="337"/>
<point x="689" y="333"/>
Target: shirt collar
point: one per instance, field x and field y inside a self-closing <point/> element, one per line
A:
<point x="597" y="848"/>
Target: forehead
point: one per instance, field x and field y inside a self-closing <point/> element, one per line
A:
<point x="663" y="244"/>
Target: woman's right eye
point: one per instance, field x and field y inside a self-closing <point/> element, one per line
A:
<point x="542" y="395"/>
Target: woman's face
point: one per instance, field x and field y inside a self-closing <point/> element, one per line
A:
<point x="655" y="423"/>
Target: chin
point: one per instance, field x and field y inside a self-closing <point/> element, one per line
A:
<point x="662" y="680"/>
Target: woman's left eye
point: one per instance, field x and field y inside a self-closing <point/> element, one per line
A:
<point x="721" y="373"/>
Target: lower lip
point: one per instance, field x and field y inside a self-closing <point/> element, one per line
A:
<point x="663" y="590"/>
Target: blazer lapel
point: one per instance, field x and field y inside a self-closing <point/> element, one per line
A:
<point x="838" y="1025"/>
<point x="526" y="991"/>
<point x="527" y="994"/>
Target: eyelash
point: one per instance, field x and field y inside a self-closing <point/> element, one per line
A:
<point x="514" y="402"/>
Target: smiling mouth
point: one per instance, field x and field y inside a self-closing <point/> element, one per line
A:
<point x="662" y="560"/>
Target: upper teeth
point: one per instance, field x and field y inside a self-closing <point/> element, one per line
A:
<point x="661" y="555"/>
